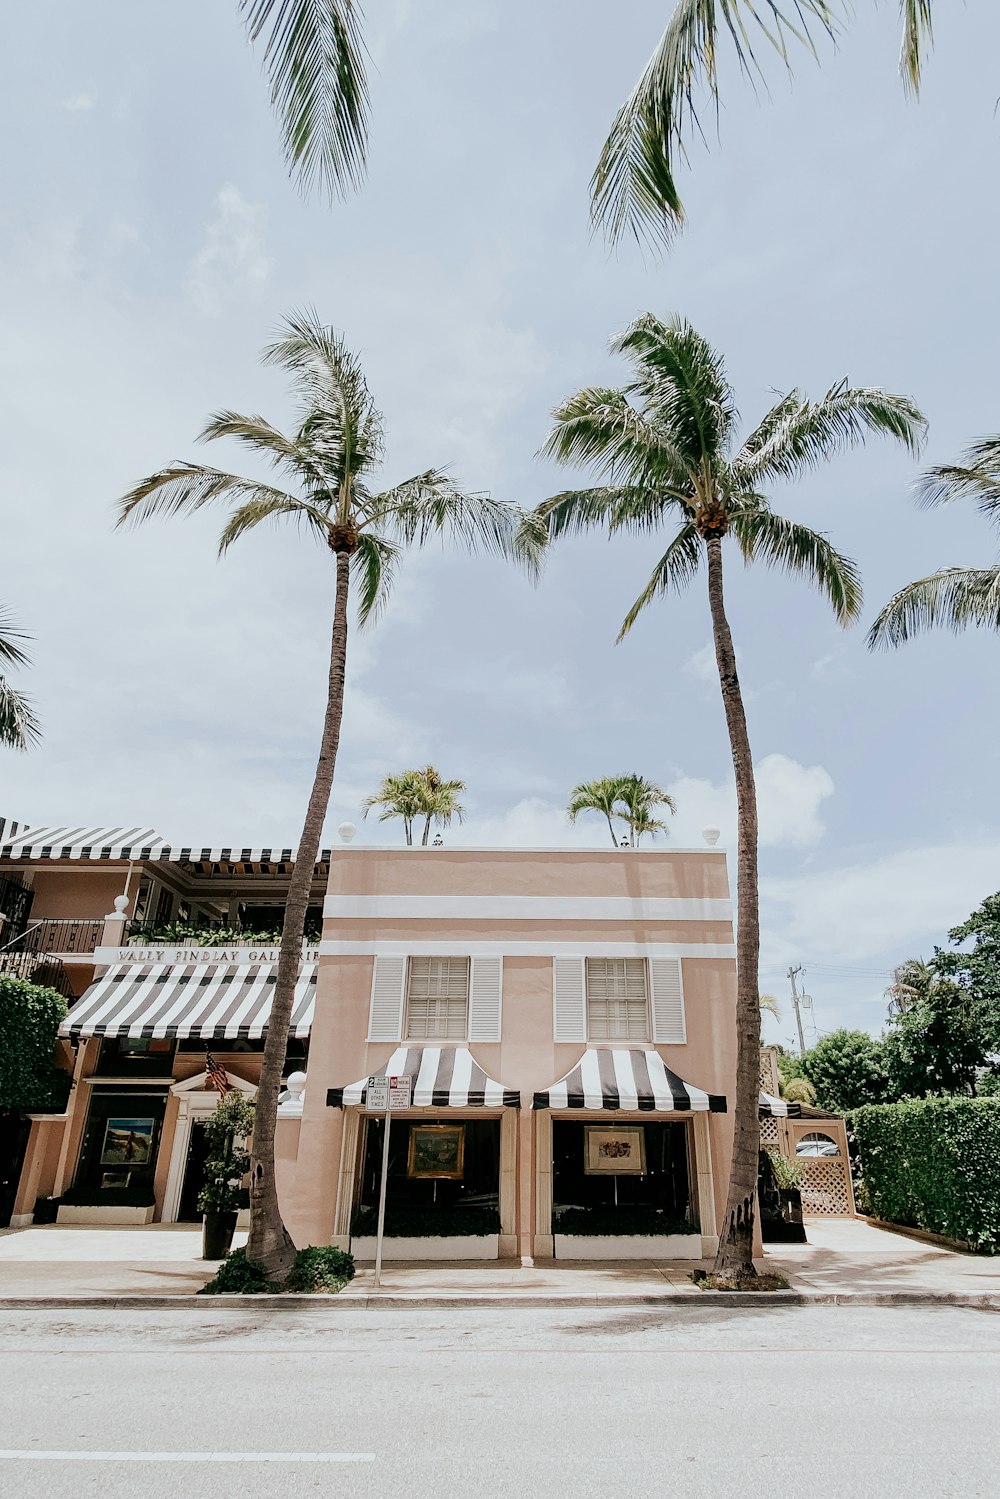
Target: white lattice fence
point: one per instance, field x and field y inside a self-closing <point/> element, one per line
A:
<point x="824" y="1189"/>
<point x="769" y="1136"/>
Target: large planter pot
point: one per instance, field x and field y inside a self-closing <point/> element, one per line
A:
<point x="628" y="1246"/>
<point x="450" y="1247"/>
<point x="217" y="1231"/>
<point x="111" y="1217"/>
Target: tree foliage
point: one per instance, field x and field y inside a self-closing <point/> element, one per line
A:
<point x="630" y="799"/>
<point x="19" y="727"/>
<point x="29" y="1021"/>
<point x="413" y="795"/>
<point x="847" y="1069"/>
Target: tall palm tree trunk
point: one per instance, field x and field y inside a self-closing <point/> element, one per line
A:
<point x="427" y="832"/>
<point x="611" y="830"/>
<point x="270" y="1244"/>
<point x="735" y="1252"/>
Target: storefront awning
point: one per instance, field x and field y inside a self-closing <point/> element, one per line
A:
<point x="213" y="1001"/>
<point x="443" y="1077"/>
<point x="607" y="1078"/>
<point x="778" y="1108"/>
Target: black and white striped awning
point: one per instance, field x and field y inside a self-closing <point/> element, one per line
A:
<point x="443" y="1077"/>
<point x="213" y="1001"/>
<point x="133" y="843"/>
<point x="778" y="1108"/>
<point x="607" y="1078"/>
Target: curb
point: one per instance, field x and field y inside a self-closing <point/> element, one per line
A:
<point x="983" y="1300"/>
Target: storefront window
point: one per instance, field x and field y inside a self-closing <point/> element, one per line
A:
<point x="444" y="1177"/>
<point x="632" y="1177"/>
<point x="120" y="1143"/>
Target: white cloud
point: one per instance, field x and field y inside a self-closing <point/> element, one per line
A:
<point x="900" y="903"/>
<point x="831" y="668"/>
<point x="789" y="797"/>
<point x="532" y="823"/>
<point x="232" y="262"/>
<point x="702" y="665"/>
<point x="78" y="103"/>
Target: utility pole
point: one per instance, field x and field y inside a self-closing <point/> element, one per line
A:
<point x="792" y="972"/>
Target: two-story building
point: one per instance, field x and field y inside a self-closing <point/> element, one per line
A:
<point x="566" y="1019"/>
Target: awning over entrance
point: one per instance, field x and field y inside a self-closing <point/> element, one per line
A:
<point x="778" y="1108"/>
<point x="213" y="1001"/>
<point x="444" y="1077"/>
<point x="606" y="1078"/>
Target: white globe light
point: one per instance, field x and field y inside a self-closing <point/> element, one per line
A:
<point x="346" y="832"/>
<point x="711" y="836"/>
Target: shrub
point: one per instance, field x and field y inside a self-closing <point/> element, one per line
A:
<point x="109" y="1197"/>
<point x="788" y="1173"/>
<point x="934" y="1163"/>
<point x="799" y="1090"/>
<point x="426" y="1223"/>
<point x="321" y="1267"/>
<point x="29" y="1019"/>
<point x="627" y="1222"/>
<point x="238" y="1276"/>
<point x="847" y="1069"/>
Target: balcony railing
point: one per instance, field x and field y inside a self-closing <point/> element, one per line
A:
<point x="51" y="935"/>
<point x="36" y="968"/>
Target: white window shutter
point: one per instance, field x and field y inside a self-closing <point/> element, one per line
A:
<point x="385" y="1019"/>
<point x="668" y="1001"/>
<point x="485" y="991"/>
<point x="569" y="1000"/>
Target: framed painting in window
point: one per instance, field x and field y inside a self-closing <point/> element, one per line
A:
<point x="614" y="1150"/>
<point x="437" y="1150"/>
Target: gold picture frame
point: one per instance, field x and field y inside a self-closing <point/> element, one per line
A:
<point x="436" y="1151"/>
<point x="614" y="1150"/>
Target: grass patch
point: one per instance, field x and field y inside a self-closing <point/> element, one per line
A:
<point x="706" y="1282"/>
<point x="318" y="1269"/>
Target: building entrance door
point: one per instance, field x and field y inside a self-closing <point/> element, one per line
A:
<point x="194" y="1173"/>
<point x="14" y="1133"/>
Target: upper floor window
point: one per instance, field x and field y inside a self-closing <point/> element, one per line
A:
<point x="437" y="998"/>
<point x="616" y="999"/>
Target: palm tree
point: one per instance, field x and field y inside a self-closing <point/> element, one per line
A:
<point x="19" y="727"/>
<point x="314" y="59"/>
<point x="597" y="796"/>
<point x="633" y="187"/>
<point x="329" y="461"/>
<point x="413" y="794"/>
<point x="664" y="451"/>
<point x="440" y="800"/>
<point x="398" y="796"/>
<point x="769" y="1005"/>
<point x="639" y="799"/>
<point x="955" y="597"/>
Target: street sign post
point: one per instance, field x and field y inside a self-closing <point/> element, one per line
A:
<point x="386" y="1094"/>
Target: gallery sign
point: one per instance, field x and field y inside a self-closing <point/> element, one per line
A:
<point x="214" y="955"/>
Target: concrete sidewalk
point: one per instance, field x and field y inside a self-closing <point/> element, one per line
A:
<point x="161" y="1264"/>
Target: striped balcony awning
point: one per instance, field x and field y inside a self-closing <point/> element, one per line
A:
<point x="210" y="1001"/>
<point x="443" y="1077"/>
<point x="606" y="1078"/>
<point x="118" y="844"/>
<point x="778" y="1108"/>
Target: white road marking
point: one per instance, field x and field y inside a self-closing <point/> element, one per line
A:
<point x="36" y="1455"/>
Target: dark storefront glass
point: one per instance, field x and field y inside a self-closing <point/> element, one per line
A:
<point x="664" y="1186"/>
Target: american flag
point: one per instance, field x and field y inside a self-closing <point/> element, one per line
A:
<point x="215" y="1073"/>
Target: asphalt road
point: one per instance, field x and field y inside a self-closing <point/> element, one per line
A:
<point x="829" y="1402"/>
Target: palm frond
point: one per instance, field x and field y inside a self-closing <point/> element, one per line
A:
<point x="675" y="569"/>
<point x="342" y="422"/>
<point x="797" y="434"/>
<point x="431" y="504"/>
<point x="270" y="506"/>
<point x="918" y="35"/>
<point x="682" y="385"/>
<point x="19" y="727"/>
<point x="257" y="434"/>
<point x="976" y="478"/>
<point x="602" y="428"/>
<point x="314" y="58"/>
<point x="374" y="563"/>
<point x="955" y="598"/>
<point x="10" y="651"/>
<point x="620" y="507"/>
<point x="633" y="189"/>
<point x="190" y="486"/>
<point x="778" y="542"/>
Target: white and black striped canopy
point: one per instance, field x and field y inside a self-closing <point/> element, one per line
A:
<point x="133" y="843"/>
<point x="213" y="1001"/>
<point x="443" y="1077"/>
<point x="778" y="1108"/>
<point x="608" y="1078"/>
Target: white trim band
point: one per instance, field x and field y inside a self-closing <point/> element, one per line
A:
<point x="332" y="947"/>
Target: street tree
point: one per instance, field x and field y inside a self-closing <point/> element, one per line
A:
<point x="954" y="597"/>
<point x="330" y="460"/>
<point x="665" y="453"/>
<point x="847" y="1069"/>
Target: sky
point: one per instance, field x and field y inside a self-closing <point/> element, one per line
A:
<point x="151" y="242"/>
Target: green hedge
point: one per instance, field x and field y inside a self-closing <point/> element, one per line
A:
<point x="934" y="1163"/>
<point x="426" y="1223"/>
<point x="29" y="1019"/>
<point x="627" y="1222"/>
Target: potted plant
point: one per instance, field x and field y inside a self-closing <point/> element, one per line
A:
<point x="789" y="1175"/>
<point x="226" y="1164"/>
